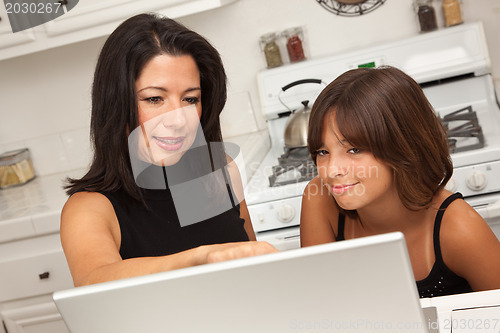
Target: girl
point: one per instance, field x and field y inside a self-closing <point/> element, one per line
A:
<point x="383" y="162"/>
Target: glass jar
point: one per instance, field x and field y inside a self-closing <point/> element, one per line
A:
<point x="452" y="12"/>
<point x="271" y="50"/>
<point x="16" y="168"/>
<point x="426" y="15"/>
<point x="294" y="38"/>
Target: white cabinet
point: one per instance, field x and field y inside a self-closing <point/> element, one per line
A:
<point x="32" y="269"/>
<point x="37" y="318"/>
<point x="91" y="19"/>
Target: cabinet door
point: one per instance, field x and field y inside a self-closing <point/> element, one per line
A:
<point x="38" y="318"/>
<point x="100" y="17"/>
<point x="34" y="275"/>
<point x="90" y="14"/>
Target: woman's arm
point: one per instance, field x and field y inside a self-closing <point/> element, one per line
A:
<point x="469" y="247"/>
<point x="244" y="214"/>
<point x="238" y="189"/>
<point x="90" y="236"/>
<point x="319" y="215"/>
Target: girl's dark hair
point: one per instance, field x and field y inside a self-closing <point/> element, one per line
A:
<point x="114" y="101"/>
<point x="385" y="111"/>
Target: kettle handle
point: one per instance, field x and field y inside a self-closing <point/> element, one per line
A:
<point x="296" y="83"/>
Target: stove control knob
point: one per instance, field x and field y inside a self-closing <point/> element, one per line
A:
<point x="285" y="213"/>
<point x="476" y="180"/>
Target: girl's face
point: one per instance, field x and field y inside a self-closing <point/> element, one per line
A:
<point x="169" y="102"/>
<point x="354" y="177"/>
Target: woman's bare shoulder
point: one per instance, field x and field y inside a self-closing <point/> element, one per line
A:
<point x="90" y="209"/>
<point x="86" y="202"/>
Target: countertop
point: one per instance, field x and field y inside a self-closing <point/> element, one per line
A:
<point x="34" y="208"/>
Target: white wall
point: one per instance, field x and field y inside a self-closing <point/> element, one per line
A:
<point x="45" y="97"/>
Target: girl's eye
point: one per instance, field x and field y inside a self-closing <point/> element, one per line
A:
<point x="153" y="100"/>
<point x="321" y="152"/>
<point x="354" y="151"/>
<point x="192" y="100"/>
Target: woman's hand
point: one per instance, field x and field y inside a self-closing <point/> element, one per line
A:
<point x="229" y="251"/>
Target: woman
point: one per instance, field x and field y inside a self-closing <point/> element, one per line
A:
<point x="157" y="94"/>
<point x="383" y="161"/>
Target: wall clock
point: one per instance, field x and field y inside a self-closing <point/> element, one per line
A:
<point x="350" y="7"/>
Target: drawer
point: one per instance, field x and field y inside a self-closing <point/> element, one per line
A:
<point x="34" y="275"/>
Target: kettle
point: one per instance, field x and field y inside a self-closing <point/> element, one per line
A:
<point x="297" y="125"/>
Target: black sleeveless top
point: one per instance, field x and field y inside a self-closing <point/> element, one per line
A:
<point x="441" y="280"/>
<point x="187" y="205"/>
<point x="155" y="230"/>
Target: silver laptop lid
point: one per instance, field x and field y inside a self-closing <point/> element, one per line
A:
<point x="360" y="285"/>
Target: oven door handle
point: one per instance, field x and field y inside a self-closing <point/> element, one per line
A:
<point x="489" y="211"/>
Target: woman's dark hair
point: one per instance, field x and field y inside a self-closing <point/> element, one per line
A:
<point x="385" y="112"/>
<point x="114" y="101"/>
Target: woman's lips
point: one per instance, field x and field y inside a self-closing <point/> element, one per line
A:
<point x="169" y="143"/>
<point x="340" y="189"/>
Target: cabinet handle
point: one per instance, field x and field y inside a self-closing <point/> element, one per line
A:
<point x="44" y="275"/>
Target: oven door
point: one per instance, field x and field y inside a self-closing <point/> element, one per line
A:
<point x="488" y="206"/>
<point x="282" y="239"/>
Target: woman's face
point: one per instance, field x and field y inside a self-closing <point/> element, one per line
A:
<point x="169" y="102"/>
<point x="354" y="177"/>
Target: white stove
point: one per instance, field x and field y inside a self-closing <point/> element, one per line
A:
<point x="453" y="67"/>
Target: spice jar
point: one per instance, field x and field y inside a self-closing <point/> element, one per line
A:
<point x="426" y="15"/>
<point x="271" y="50"/>
<point x="452" y="12"/>
<point x="294" y="38"/>
<point x="15" y="168"/>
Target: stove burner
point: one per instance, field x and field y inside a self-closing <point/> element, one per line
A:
<point x="463" y="129"/>
<point x="295" y="165"/>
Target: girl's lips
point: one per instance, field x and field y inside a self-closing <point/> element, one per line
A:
<point x="340" y="189"/>
<point x="169" y="143"/>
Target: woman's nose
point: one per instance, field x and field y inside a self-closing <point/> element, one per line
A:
<point x="174" y="118"/>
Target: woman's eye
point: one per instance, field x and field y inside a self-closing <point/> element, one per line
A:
<point x="354" y="151"/>
<point x="321" y="152"/>
<point x="154" y="99"/>
<point x="192" y="100"/>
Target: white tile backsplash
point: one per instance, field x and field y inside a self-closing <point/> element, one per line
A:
<point x="55" y="153"/>
<point x="77" y="147"/>
<point x="238" y="116"/>
<point x="48" y="155"/>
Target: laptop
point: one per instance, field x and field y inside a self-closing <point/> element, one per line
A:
<point x="359" y="285"/>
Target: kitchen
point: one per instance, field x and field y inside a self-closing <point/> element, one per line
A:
<point x="59" y="79"/>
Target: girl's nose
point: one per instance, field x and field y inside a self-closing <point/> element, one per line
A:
<point x="336" y="168"/>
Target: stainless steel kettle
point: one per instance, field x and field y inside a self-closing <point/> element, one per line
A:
<point x="297" y="125"/>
